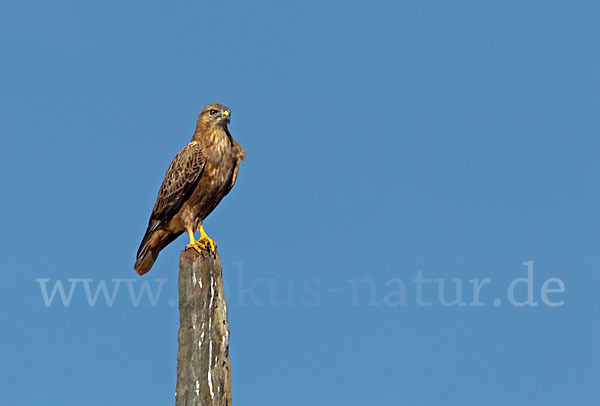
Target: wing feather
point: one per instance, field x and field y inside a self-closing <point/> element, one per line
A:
<point x="179" y="183"/>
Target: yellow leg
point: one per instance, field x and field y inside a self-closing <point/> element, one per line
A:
<point x="206" y="241"/>
<point x="193" y="243"/>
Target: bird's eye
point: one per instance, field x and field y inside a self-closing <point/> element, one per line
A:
<point x="213" y="112"/>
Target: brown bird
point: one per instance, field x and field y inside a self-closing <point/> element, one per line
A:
<point x="201" y="174"/>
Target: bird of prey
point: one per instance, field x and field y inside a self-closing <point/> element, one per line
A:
<point x="201" y="174"/>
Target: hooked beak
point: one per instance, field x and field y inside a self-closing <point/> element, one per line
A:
<point x="227" y="116"/>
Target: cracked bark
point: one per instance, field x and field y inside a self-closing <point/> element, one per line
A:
<point x="203" y="370"/>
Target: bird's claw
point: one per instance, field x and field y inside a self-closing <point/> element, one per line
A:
<point x="208" y="244"/>
<point x="204" y="245"/>
<point x="195" y="245"/>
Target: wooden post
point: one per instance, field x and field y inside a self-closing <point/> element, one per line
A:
<point x="203" y="370"/>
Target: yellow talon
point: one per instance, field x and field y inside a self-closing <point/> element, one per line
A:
<point x="193" y="243"/>
<point x="204" y="243"/>
<point x="207" y="241"/>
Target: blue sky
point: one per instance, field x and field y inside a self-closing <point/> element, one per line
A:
<point x="456" y="139"/>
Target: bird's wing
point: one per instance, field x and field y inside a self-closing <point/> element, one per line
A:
<point x="179" y="183"/>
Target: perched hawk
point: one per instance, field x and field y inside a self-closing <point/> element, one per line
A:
<point x="201" y="174"/>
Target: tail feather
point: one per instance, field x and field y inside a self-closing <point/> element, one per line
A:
<point x="146" y="256"/>
<point x="152" y="243"/>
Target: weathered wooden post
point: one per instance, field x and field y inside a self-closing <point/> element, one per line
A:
<point x="203" y="370"/>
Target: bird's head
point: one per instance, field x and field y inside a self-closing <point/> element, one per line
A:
<point x="214" y="115"/>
